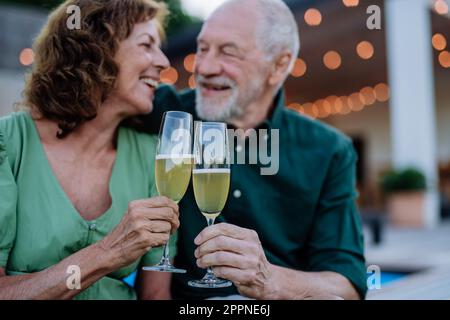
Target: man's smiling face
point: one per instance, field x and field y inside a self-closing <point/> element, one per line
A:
<point x="230" y="70"/>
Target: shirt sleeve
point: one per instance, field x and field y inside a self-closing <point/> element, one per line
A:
<point x="8" y="204"/>
<point x="336" y="241"/>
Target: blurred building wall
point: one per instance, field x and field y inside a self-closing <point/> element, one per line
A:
<point x="11" y="86"/>
<point x="18" y="27"/>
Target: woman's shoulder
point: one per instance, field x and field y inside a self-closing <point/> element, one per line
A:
<point x="13" y="129"/>
<point x="13" y="121"/>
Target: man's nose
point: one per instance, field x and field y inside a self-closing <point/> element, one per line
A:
<point x="208" y="65"/>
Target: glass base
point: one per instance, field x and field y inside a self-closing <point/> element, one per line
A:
<point x="164" y="267"/>
<point x="210" y="283"/>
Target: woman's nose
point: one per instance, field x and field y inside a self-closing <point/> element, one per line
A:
<point x="161" y="61"/>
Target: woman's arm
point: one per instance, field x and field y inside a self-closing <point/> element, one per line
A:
<point x="147" y="224"/>
<point x="51" y="283"/>
<point x="153" y="285"/>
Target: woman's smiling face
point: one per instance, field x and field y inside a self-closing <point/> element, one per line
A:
<point x="140" y="62"/>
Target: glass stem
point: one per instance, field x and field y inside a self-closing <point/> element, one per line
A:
<point x="166" y="253"/>
<point x="209" y="270"/>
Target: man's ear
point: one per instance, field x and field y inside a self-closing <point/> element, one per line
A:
<point x="280" y="68"/>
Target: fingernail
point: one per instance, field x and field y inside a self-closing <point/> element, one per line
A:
<point x="197" y="240"/>
<point x="196" y="253"/>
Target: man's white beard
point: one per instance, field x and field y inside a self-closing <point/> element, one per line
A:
<point x="218" y="109"/>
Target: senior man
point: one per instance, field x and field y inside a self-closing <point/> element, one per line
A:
<point x="295" y="234"/>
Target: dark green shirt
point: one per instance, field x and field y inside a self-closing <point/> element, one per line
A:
<point x="305" y="215"/>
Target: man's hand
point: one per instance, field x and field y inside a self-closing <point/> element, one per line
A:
<point x="236" y="254"/>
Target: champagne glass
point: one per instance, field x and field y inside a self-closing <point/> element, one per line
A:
<point x="211" y="180"/>
<point x="173" y="167"/>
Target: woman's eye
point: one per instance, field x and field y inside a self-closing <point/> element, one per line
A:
<point x="147" y="45"/>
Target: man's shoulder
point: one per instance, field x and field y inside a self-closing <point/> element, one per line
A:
<point x="305" y="129"/>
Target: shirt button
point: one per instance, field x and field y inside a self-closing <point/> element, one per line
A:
<point x="238" y="148"/>
<point x="237" y="193"/>
<point x="93" y="227"/>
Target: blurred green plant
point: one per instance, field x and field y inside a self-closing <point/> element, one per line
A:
<point x="403" y="180"/>
<point x="178" y="19"/>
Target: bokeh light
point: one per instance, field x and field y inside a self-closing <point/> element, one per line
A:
<point x="439" y="42"/>
<point x="169" y="76"/>
<point x="444" y="59"/>
<point x="26" y="57"/>
<point x="313" y="17"/>
<point x="189" y="63"/>
<point x="299" y="68"/>
<point x="441" y="7"/>
<point x="332" y="60"/>
<point x="365" y="50"/>
<point x="191" y="82"/>
<point x="350" y="3"/>
<point x="382" y="92"/>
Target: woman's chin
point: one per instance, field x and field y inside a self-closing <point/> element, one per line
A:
<point x="146" y="110"/>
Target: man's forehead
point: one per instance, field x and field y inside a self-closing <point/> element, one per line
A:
<point x="232" y="22"/>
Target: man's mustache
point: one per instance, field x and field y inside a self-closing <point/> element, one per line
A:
<point x="216" y="81"/>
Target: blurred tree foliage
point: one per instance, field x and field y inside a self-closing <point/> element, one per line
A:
<point x="177" y="20"/>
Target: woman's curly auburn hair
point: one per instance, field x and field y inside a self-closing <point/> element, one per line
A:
<point x="74" y="70"/>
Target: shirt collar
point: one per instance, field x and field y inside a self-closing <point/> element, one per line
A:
<point x="274" y="119"/>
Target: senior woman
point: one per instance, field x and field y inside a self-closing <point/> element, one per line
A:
<point x="76" y="184"/>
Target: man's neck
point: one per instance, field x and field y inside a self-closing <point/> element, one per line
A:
<point x="255" y="113"/>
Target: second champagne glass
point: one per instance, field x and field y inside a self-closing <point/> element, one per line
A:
<point x="211" y="181"/>
<point x="173" y="167"/>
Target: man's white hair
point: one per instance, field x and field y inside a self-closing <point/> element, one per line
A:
<point x="277" y="31"/>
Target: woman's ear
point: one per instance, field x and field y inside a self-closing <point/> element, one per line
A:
<point x="280" y="68"/>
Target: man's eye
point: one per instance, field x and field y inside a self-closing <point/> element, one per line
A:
<point x="202" y="49"/>
<point x="146" y="45"/>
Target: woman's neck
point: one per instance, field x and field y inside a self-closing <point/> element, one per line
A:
<point x="90" y="137"/>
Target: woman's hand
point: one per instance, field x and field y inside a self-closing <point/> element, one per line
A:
<point x="147" y="224"/>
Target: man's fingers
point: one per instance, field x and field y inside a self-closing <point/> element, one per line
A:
<point x="221" y="243"/>
<point x="224" y="258"/>
<point x="235" y="275"/>
<point x="225" y="229"/>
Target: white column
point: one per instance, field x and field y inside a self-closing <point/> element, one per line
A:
<point x="412" y="105"/>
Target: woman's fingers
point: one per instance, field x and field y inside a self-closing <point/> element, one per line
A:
<point x="156" y="202"/>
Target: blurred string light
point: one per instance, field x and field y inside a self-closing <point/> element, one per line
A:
<point x="313" y="17"/>
<point x="350" y="3"/>
<point x="365" y="50"/>
<point x="441" y="7"/>
<point x="439" y="42"/>
<point x="26" y="57"/>
<point x="343" y="105"/>
<point x="332" y="60"/>
<point x="299" y="68"/>
<point x="169" y="76"/>
<point x="444" y="59"/>
<point x="189" y="63"/>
